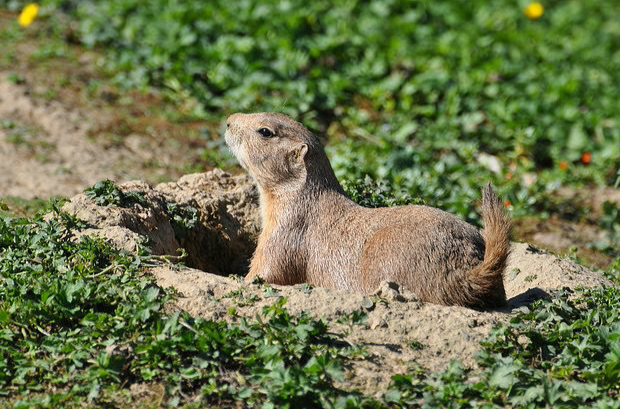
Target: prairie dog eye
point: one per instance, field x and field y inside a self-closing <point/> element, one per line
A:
<point x="266" y="132"/>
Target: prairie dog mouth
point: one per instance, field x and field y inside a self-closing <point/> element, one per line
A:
<point x="230" y="138"/>
<point x="235" y="146"/>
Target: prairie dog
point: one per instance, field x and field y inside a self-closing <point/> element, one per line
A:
<point x="312" y="232"/>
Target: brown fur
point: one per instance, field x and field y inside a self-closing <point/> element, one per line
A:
<point x="313" y="233"/>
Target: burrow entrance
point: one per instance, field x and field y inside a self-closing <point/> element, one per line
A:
<point x="213" y="216"/>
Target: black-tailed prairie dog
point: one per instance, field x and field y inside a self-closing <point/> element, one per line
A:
<point x="313" y="233"/>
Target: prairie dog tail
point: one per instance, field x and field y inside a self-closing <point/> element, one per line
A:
<point x="486" y="280"/>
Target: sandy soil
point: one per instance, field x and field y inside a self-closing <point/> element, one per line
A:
<point x="224" y="239"/>
<point x="44" y="150"/>
<point x="53" y="148"/>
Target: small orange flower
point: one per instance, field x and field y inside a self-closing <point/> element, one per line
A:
<point x="508" y="203"/>
<point x="534" y="10"/>
<point x="563" y="165"/>
<point x="509" y="175"/>
<point x="586" y="157"/>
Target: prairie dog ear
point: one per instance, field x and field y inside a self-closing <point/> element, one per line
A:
<point x="299" y="153"/>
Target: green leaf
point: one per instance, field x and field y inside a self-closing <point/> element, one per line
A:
<point x="151" y="294"/>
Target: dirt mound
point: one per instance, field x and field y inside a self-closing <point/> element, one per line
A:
<point x="214" y="217"/>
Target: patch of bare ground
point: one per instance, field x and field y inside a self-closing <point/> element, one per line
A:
<point x="50" y="148"/>
<point x="592" y="199"/>
<point x="69" y="161"/>
<point x="399" y="329"/>
<point x="576" y="236"/>
<point x="65" y="125"/>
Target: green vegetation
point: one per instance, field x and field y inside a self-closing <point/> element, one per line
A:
<point x="418" y="88"/>
<point x="562" y="353"/>
<point x="182" y="219"/>
<point x="106" y="193"/>
<point x="11" y="205"/>
<point x="610" y="221"/>
<point x="421" y="101"/>
<point x="78" y="320"/>
<point x="370" y="193"/>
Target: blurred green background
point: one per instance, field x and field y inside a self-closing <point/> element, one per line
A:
<point x="430" y="98"/>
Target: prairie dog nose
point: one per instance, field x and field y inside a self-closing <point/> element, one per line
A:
<point x="234" y="118"/>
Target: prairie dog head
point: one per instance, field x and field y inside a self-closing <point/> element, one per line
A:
<point x="275" y="149"/>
